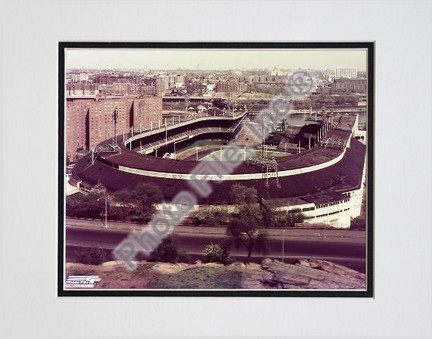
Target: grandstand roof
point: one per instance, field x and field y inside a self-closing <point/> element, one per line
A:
<point x="321" y="186"/>
<point x="343" y="176"/>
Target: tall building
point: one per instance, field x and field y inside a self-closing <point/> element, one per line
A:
<point x="101" y="121"/>
<point x="227" y="86"/>
<point x="162" y="85"/>
<point x="147" y="113"/>
<point x="176" y="80"/>
<point x="121" y="88"/>
<point x="179" y="80"/>
<point x="254" y="78"/>
<point x="243" y="87"/>
<point x="148" y="90"/>
<point x="89" y="122"/>
<point x="76" y="116"/>
<point x="349" y="86"/>
<point x="346" y="72"/>
<point x="77" y="89"/>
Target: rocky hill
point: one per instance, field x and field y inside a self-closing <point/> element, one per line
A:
<point x="270" y="274"/>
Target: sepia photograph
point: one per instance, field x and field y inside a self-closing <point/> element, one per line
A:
<point x="216" y="169"/>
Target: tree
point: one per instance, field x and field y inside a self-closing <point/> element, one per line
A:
<point x="124" y="196"/>
<point x="244" y="232"/>
<point x="214" y="216"/>
<point x="146" y="196"/>
<point x="168" y="251"/>
<point x="219" y="253"/>
<point x="99" y="188"/>
<point x="90" y="205"/>
<point x="274" y="218"/>
<point x="358" y="223"/>
<point x="92" y="256"/>
<point x="243" y="194"/>
<point x="213" y="253"/>
<point x="291" y="218"/>
<point x="141" y="200"/>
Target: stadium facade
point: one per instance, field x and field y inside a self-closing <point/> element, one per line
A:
<point x="325" y="182"/>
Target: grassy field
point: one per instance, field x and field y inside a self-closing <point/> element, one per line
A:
<point x="146" y="276"/>
<point x="254" y="154"/>
<point x="198" y="278"/>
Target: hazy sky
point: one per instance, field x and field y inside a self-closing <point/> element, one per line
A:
<point x="213" y="59"/>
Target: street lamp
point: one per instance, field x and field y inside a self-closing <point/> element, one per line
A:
<point x="283" y="246"/>
<point x="175" y="156"/>
<point x="166" y="131"/>
<point x="106" y="211"/>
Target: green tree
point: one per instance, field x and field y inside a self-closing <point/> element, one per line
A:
<point x="219" y="253"/>
<point x="141" y="200"/>
<point x="99" y="188"/>
<point x="213" y="253"/>
<point x="147" y="195"/>
<point x="89" y="205"/>
<point x="215" y="216"/>
<point x="243" y="194"/>
<point x="244" y="230"/>
<point x="358" y="223"/>
<point x="274" y="218"/>
<point x="168" y="251"/>
<point x="291" y="218"/>
<point x="124" y="196"/>
<point x="92" y="256"/>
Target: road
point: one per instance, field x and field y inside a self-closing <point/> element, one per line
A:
<point x="341" y="246"/>
<point x="322" y="234"/>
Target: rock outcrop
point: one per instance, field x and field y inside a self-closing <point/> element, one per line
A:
<point x="305" y="274"/>
<point x="270" y="274"/>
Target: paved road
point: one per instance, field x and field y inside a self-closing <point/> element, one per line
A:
<point x="311" y="234"/>
<point x="195" y="243"/>
<point x="336" y="246"/>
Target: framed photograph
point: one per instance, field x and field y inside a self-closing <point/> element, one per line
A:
<point x="216" y="169"/>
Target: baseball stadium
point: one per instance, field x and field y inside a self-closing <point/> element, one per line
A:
<point x="320" y="173"/>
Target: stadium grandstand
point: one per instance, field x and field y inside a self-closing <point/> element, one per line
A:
<point x="325" y="180"/>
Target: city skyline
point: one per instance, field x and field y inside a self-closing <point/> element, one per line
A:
<point x="220" y="59"/>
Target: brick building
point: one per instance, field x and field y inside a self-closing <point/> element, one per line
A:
<point x="101" y="122"/>
<point x="121" y="88"/>
<point x="349" y="86"/>
<point x="346" y="72"/>
<point x="81" y="89"/>
<point x="89" y="122"/>
<point x="147" y="113"/>
<point x="227" y="86"/>
<point x="162" y="85"/>
<point x="76" y="115"/>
